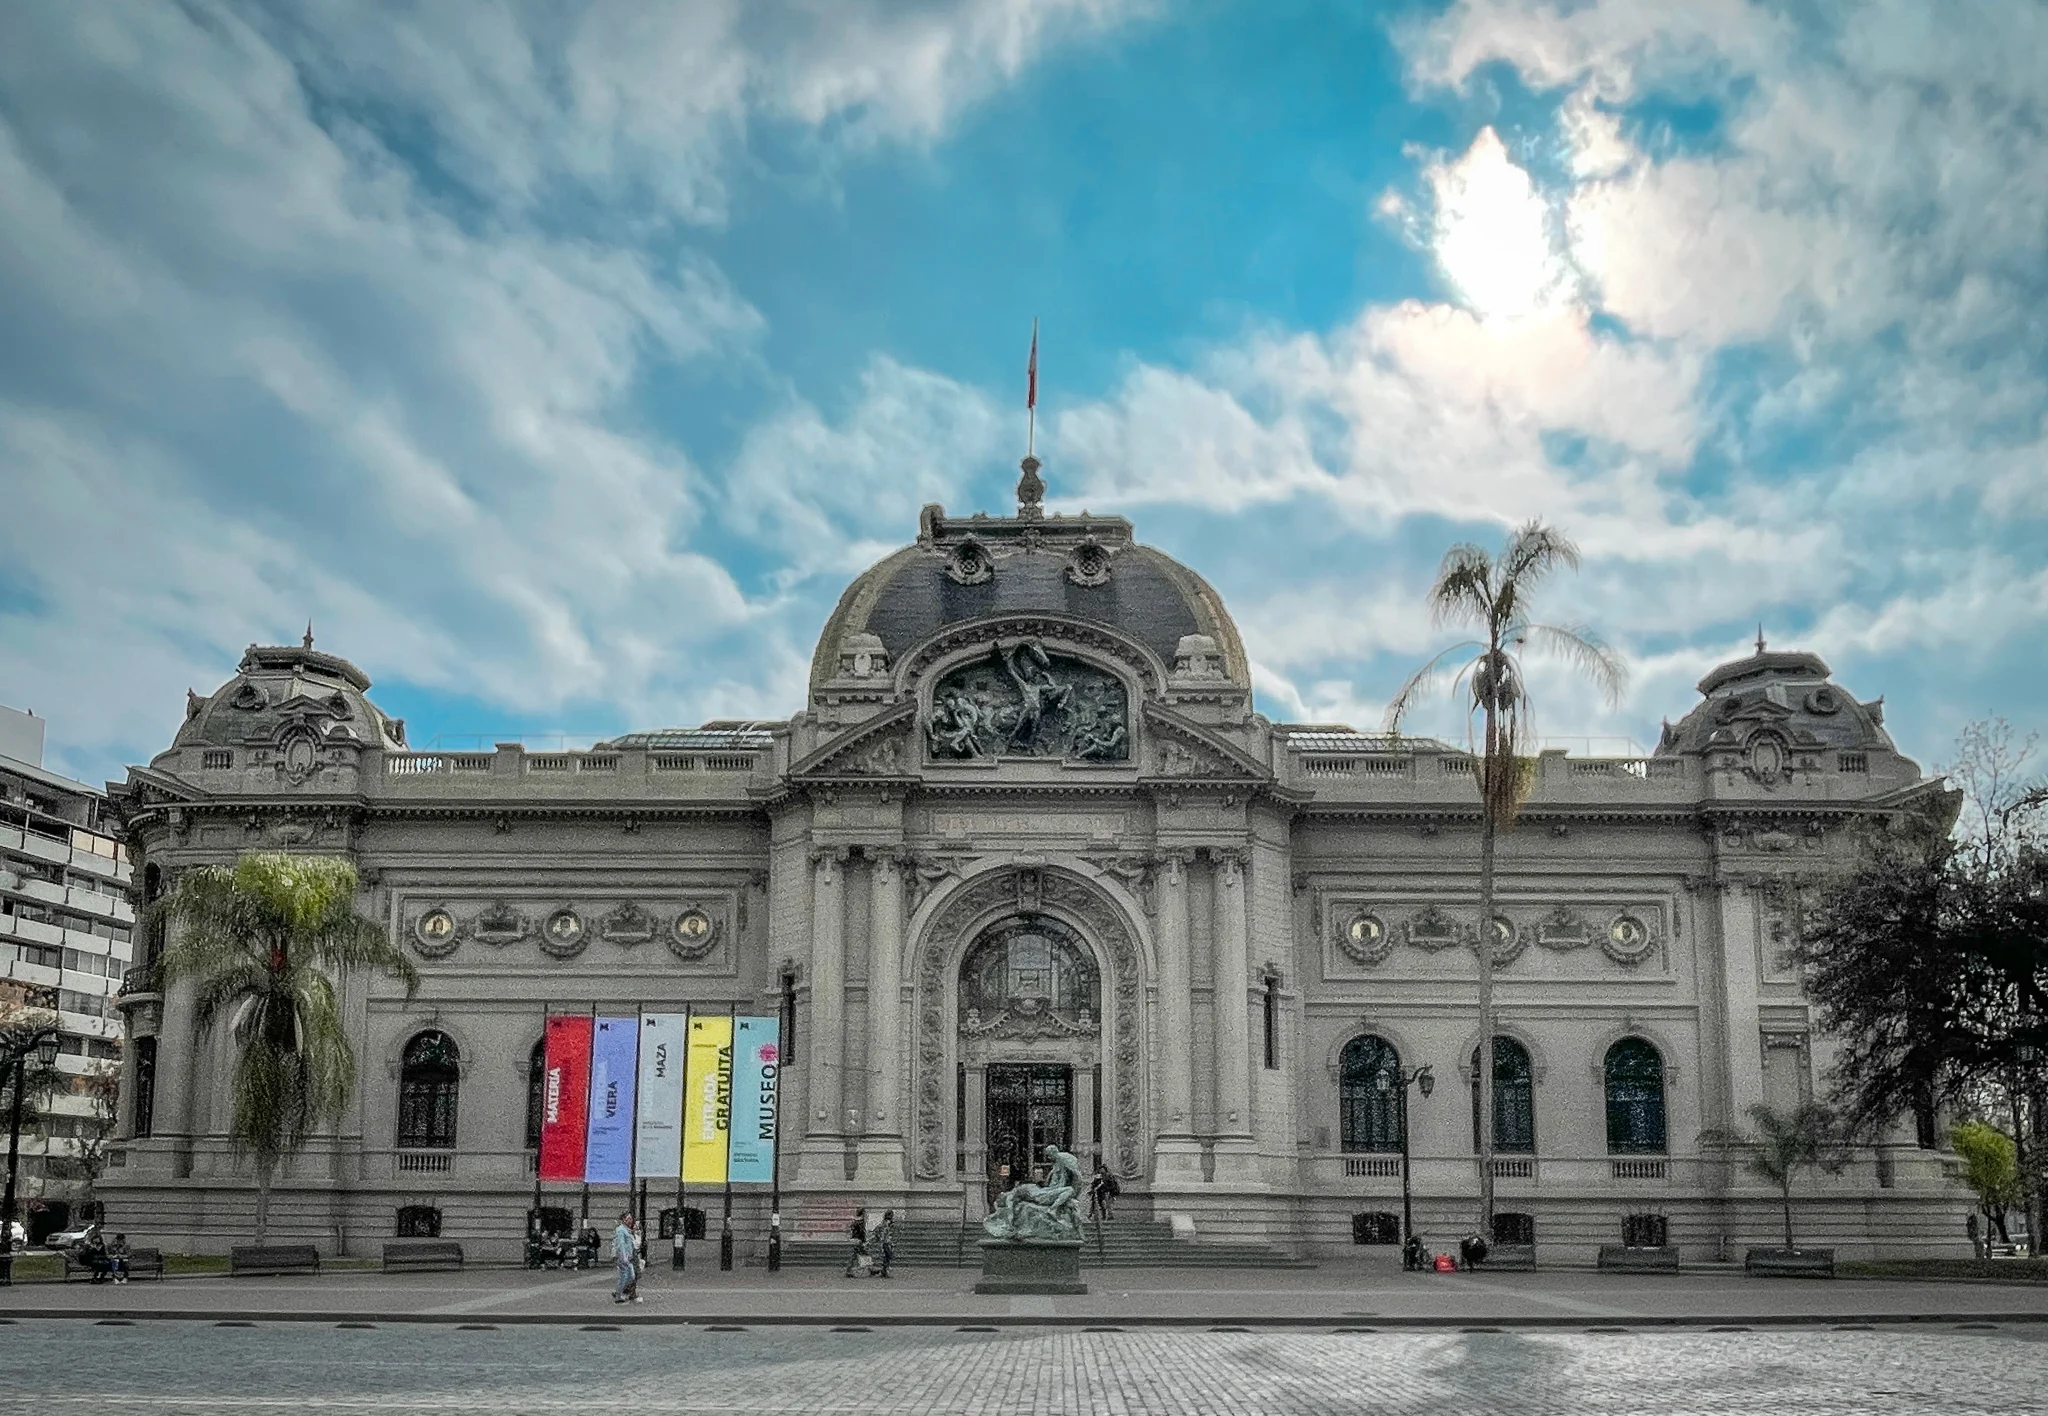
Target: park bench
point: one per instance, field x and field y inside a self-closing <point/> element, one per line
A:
<point x="150" y="1261"/>
<point x="1635" y="1258"/>
<point x="422" y="1254"/>
<point x="1789" y="1263"/>
<point x="1510" y="1258"/>
<point x="245" y="1260"/>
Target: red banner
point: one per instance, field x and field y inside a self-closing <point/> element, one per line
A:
<point x="564" y="1097"/>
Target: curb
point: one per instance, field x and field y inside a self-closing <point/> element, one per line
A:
<point x="1098" y="1322"/>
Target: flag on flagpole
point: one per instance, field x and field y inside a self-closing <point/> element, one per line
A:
<point x="1031" y="372"/>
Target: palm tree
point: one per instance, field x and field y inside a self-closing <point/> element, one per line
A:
<point x="1492" y="595"/>
<point x="266" y="942"/>
<point x="1788" y="1143"/>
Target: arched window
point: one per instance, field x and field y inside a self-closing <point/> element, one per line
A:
<point x="428" y="1079"/>
<point x="1023" y="970"/>
<point x="1371" y="1114"/>
<point x="1635" y="1097"/>
<point x="536" y="1087"/>
<point x="1514" y="1101"/>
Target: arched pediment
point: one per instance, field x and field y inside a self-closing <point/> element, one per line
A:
<point x="954" y="921"/>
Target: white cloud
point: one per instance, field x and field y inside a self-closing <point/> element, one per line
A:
<point x="835" y="497"/>
<point x="346" y="311"/>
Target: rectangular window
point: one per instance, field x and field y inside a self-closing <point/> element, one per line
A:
<point x="1272" y="1014"/>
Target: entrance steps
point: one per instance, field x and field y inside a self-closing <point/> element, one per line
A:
<point x="1119" y="1243"/>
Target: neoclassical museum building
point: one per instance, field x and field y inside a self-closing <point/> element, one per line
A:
<point x="1027" y="867"/>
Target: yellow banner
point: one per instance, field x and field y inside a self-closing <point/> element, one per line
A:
<point x="707" y="1101"/>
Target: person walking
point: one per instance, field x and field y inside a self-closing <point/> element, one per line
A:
<point x="885" y="1240"/>
<point x="857" y="1234"/>
<point x="1102" y="1192"/>
<point x="626" y="1251"/>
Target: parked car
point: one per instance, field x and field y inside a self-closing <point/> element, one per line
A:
<point x="71" y="1238"/>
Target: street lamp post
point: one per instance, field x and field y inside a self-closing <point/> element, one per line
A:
<point x="44" y="1045"/>
<point x="1401" y="1078"/>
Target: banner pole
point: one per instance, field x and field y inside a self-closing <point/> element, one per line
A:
<point x="533" y="1230"/>
<point x="785" y="1031"/>
<point x="679" y="1255"/>
<point x="640" y="1210"/>
<point x="588" y="1070"/>
<point x="732" y="1013"/>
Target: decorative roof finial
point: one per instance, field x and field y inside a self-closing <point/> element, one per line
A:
<point x="1030" y="491"/>
<point x="309" y="634"/>
<point x="1031" y="487"/>
<point x="1759" y="638"/>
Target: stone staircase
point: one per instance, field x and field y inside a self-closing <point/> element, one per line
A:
<point x="1120" y="1243"/>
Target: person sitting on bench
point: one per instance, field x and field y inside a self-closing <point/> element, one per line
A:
<point x="117" y="1258"/>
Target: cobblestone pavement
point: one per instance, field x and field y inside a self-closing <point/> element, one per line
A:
<point x="62" y="1366"/>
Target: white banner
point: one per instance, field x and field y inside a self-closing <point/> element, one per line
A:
<point x="659" y="1155"/>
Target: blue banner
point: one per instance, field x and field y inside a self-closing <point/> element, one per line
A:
<point x="614" y="1062"/>
<point x="756" y="1080"/>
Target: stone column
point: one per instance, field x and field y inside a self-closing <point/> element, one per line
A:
<point x="974" y="1140"/>
<point x="882" y="1159"/>
<point x="178" y="1074"/>
<point x="1233" y="995"/>
<point x="1177" y="1158"/>
<point x="1085" y="1139"/>
<point x="821" y="1161"/>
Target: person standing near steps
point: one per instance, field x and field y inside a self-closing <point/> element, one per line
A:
<point x="857" y="1237"/>
<point x="626" y="1250"/>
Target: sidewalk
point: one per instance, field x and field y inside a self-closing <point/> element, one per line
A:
<point x="1341" y="1294"/>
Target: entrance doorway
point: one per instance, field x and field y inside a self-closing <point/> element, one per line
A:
<point x="1030" y="1107"/>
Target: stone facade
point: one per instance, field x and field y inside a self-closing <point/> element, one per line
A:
<point x="1027" y="866"/>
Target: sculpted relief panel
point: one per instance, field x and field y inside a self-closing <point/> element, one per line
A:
<point x="1022" y="700"/>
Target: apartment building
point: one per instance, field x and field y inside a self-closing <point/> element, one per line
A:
<point x="65" y="921"/>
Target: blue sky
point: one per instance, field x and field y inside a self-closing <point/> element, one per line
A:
<point x="562" y="362"/>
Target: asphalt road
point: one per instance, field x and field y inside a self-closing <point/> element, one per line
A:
<point x="160" y="1366"/>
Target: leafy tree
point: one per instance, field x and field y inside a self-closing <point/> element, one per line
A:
<point x="21" y="1018"/>
<point x="1494" y="596"/>
<point x="1787" y="1144"/>
<point x="265" y="944"/>
<point x="1990" y="1167"/>
<point x="1929" y="958"/>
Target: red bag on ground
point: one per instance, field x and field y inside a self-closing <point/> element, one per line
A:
<point x="1446" y="1264"/>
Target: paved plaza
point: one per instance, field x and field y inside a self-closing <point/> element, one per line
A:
<point x="1333" y="1294"/>
<point x="56" y="1366"/>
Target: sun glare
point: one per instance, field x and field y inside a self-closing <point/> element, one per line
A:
<point x="1492" y="234"/>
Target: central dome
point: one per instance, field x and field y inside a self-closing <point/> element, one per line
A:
<point x="979" y="567"/>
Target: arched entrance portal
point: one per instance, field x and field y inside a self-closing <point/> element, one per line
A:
<point x="1029" y="1028"/>
<point x="1030" y="1011"/>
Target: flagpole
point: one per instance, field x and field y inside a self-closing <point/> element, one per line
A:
<point x="1031" y="396"/>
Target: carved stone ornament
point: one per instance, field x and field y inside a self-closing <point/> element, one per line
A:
<point x="1564" y="928"/>
<point x="1088" y="565"/>
<point x="248" y="697"/>
<point x="1629" y="939"/>
<point x="1431" y="928"/>
<point x="298" y="753"/>
<point x="435" y="934"/>
<point x="1082" y="905"/>
<point x="1019" y="700"/>
<point x="693" y="934"/>
<point x="563" y="936"/>
<point x="1508" y="941"/>
<point x="627" y="924"/>
<point x="970" y="563"/>
<point x="500" y="924"/>
<point x="292" y="831"/>
<point x="1364" y="938"/>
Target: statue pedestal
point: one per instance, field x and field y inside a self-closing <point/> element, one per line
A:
<point x="1033" y="1266"/>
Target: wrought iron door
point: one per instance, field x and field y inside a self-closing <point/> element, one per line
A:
<point x="1029" y="1108"/>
